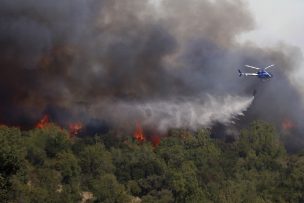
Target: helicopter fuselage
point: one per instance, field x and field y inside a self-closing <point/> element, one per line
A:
<point x="264" y="74"/>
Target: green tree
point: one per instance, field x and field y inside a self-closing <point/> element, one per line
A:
<point x="163" y="196"/>
<point x="106" y="189"/>
<point x="259" y="145"/>
<point x="184" y="184"/>
<point x="293" y="179"/>
<point x="12" y="159"/>
<point x="135" y="162"/>
<point x="67" y="164"/>
<point x="261" y="160"/>
<point x="12" y="151"/>
<point x="95" y="160"/>
<point x="46" y="143"/>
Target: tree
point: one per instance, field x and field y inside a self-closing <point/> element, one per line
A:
<point x="261" y="160"/>
<point x="67" y="164"/>
<point x="57" y="143"/>
<point x="106" y="189"/>
<point x="12" y="159"/>
<point x="135" y="162"/>
<point x="162" y="196"/>
<point x="46" y="143"/>
<point x="40" y="166"/>
<point x="12" y="151"/>
<point x="293" y="179"/>
<point x="260" y="139"/>
<point x="95" y="160"/>
<point x="184" y="184"/>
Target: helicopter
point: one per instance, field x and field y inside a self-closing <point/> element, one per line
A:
<point x="262" y="73"/>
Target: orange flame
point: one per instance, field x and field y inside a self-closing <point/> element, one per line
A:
<point x="155" y="140"/>
<point x="139" y="135"/>
<point x="43" y="122"/>
<point x="287" y="124"/>
<point x="75" y="128"/>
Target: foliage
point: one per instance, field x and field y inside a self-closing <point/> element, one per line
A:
<point x="46" y="165"/>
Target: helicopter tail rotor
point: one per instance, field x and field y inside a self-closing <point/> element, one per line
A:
<point x="240" y="72"/>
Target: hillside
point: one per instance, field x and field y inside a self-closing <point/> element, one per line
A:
<point x="48" y="165"/>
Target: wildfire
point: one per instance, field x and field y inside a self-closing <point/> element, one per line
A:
<point x="287" y="124"/>
<point x="138" y="134"/>
<point x="75" y="128"/>
<point x="155" y="140"/>
<point x="140" y="137"/>
<point x="43" y="122"/>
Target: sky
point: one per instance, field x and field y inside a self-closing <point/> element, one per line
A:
<point x="278" y="21"/>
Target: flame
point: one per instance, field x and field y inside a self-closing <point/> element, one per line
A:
<point x="287" y="124"/>
<point x="75" y="128"/>
<point x="138" y="134"/>
<point x="43" y="122"/>
<point x="155" y="140"/>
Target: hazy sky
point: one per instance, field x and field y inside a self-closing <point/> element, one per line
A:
<point x="277" y="20"/>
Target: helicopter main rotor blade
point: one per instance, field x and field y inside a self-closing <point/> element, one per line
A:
<point x="269" y="66"/>
<point x="252" y="67"/>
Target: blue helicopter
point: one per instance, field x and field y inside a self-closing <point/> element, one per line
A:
<point x="262" y="73"/>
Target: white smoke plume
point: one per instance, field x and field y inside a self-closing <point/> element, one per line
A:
<point x="190" y="113"/>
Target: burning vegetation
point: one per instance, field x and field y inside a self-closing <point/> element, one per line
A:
<point x="75" y="128"/>
<point x="43" y="122"/>
<point x="201" y="164"/>
<point x="139" y="134"/>
<point x="287" y="124"/>
<point x="140" y="137"/>
<point x="119" y="62"/>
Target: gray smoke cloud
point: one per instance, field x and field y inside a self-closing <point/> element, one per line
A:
<point x="173" y="65"/>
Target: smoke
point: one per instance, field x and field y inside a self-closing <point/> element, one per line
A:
<point x="191" y="113"/>
<point x="170" y="64"/>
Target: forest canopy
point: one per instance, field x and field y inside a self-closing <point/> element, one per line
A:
<point x="48" y="165"/>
